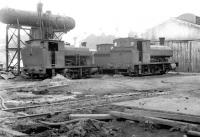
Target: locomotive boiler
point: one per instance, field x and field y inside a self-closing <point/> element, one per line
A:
<point x="131" y="56"/>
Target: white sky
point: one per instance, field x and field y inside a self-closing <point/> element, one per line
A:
<point x="116" y="17"/>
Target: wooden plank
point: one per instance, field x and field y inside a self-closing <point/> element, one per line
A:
<point x="61" y="123"/>
<point x="91" y="116"/>
<point x="166" y="115"/>
<point x="141" y="118"/>
<point x="12" y="133"/>
<point x="128" y="106"/>
<point x="33" y="116"/>
<point x="193" y="133"/>
<point x="30" y="116"/>
<point x="67" y="102"/>
<point x="24" y="108"/>
<point x="35" y="106"/>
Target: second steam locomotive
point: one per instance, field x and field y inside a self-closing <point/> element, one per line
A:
<point x="132" y="56"/>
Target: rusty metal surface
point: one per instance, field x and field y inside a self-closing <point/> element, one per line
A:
<point x="156" y="50"/>
<point x="27" y="18"/>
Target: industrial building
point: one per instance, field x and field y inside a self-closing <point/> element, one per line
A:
<point x="182" y="34"/>
<point x="184" y="27"/>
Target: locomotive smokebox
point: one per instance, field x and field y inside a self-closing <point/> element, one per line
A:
<point x="31" y="19"/>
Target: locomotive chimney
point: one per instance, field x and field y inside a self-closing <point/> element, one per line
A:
<point x="39" y="8"/>
<point x="83" y="44"/>
<point x="39" y="12"/>
<point x="162" y="40"/>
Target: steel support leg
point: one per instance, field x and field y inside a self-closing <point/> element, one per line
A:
<point x="7" y="60"/>
<point x="18" y="50"/>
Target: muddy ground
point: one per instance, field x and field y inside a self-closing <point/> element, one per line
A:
<point x="93" y="95"/>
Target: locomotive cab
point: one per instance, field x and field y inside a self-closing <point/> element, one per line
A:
<point x="39" y="56"/>
<point x="130" y="51"/>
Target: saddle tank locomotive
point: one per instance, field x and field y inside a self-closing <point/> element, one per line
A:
<point x="132" y="56"/>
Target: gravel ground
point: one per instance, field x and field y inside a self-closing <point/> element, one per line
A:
<point x="26" y="92"/>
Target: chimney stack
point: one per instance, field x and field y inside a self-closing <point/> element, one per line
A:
<point x="162" y="40"/>
<point x="83" y="44"/>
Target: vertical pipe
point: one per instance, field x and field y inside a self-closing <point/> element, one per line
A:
<point x="76" y="59"/>
<point x="79" y="59"/>
<point x="7" y="27"/>
<point x="191" y="57"/>
<point x="18" y="50"/>
<point x="53" y="71"/>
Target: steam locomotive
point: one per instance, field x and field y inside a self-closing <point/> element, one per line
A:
<point x="131" y="56"/>
<point x="49" y="57"/>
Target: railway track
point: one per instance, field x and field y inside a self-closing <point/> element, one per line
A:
<point x="70" y="107"/>
<point x="75" y="105"/>
<point x="82" y="101"/>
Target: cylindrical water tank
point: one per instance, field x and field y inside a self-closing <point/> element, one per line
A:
<point x="27" y="18"/>
<point x="157" y="50"/>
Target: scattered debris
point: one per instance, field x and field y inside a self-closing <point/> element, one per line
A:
<point x="21" y="77"/>
<point x="6" y="75"/>
<point x="117" y="76"/>
<point x="9" y="132"/>
<point x="90" y="128"/>
<point x="28" y="126"/>
<point x="106" y="77"/>
<point x="47" y="104"/>
<point x="40" y="91"/>
<point x="57" y="78"/>
<point x="73" y="128"/>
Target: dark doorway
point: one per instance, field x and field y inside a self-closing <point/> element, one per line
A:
<point x="53" y="47"/>
<point x="53" y="58"/>
<point x="139" y="48"/>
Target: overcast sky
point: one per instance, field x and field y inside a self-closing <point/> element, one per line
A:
<point x="116" y="17"/>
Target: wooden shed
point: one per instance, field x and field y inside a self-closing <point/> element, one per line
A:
<point x="182" y="34"/>
<point x="186" y="53"/>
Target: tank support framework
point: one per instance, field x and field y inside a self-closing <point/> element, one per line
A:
<point x="14" y="44"/>
<point x="58" y="35"/>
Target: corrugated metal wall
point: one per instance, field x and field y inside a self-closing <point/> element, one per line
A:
<point x="187" y="54"/>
